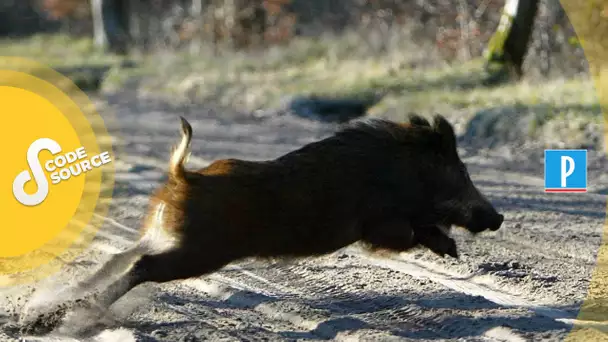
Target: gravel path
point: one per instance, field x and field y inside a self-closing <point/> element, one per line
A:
<point x="524" y="282"/>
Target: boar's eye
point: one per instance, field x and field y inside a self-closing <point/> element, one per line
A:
<point x="458" y="178"/>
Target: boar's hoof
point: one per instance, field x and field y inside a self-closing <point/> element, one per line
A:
<point x="452" y="251"/>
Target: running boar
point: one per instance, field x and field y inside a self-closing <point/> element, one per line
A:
<point x="389" y="185"/>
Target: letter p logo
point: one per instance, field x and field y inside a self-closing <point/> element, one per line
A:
<point x="565" y="170"/>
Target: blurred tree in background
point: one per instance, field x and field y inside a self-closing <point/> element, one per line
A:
<point x="509" y="44"/>
<point x="460" y="30"/>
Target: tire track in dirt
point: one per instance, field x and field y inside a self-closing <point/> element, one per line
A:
<point x="349" y="301"/>
<point x="472" y="286"/>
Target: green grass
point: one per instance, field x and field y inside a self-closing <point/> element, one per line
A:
<point x="251" y="83"/>
<point x="56" y="50"/>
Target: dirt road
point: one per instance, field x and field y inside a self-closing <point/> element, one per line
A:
<point x="524" y="282"/>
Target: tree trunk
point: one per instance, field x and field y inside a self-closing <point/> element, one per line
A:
<point x="110" y="24"/>
<point x="507" y="47"/>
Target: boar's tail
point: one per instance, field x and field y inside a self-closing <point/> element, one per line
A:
<point x="180" y="152"/>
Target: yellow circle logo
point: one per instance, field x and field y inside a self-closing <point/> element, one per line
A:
<point x="57" y="172"/>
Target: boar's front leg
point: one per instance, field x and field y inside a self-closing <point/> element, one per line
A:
<point x="393" y="235"/>
<point x="433" y="238"/>
<point x="397" y="235"/>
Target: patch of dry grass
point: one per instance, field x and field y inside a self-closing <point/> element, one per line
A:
<point x="412" y="78"/>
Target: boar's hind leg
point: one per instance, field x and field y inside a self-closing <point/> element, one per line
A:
<point x="159" y="268"/>
<point x="393" y="235"/>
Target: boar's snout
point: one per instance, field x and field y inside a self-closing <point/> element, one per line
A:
<point x="496" y="224"/>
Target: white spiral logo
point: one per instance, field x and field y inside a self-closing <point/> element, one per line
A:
<point x="36" y="168"/>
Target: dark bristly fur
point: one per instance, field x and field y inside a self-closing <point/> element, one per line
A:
<point x="389" y="185"/>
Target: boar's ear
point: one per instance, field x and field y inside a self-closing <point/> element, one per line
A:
<point x="446" y="133"/>
<point x="417" y="120"/>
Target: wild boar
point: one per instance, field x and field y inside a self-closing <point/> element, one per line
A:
<point x="389" y="185"/>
